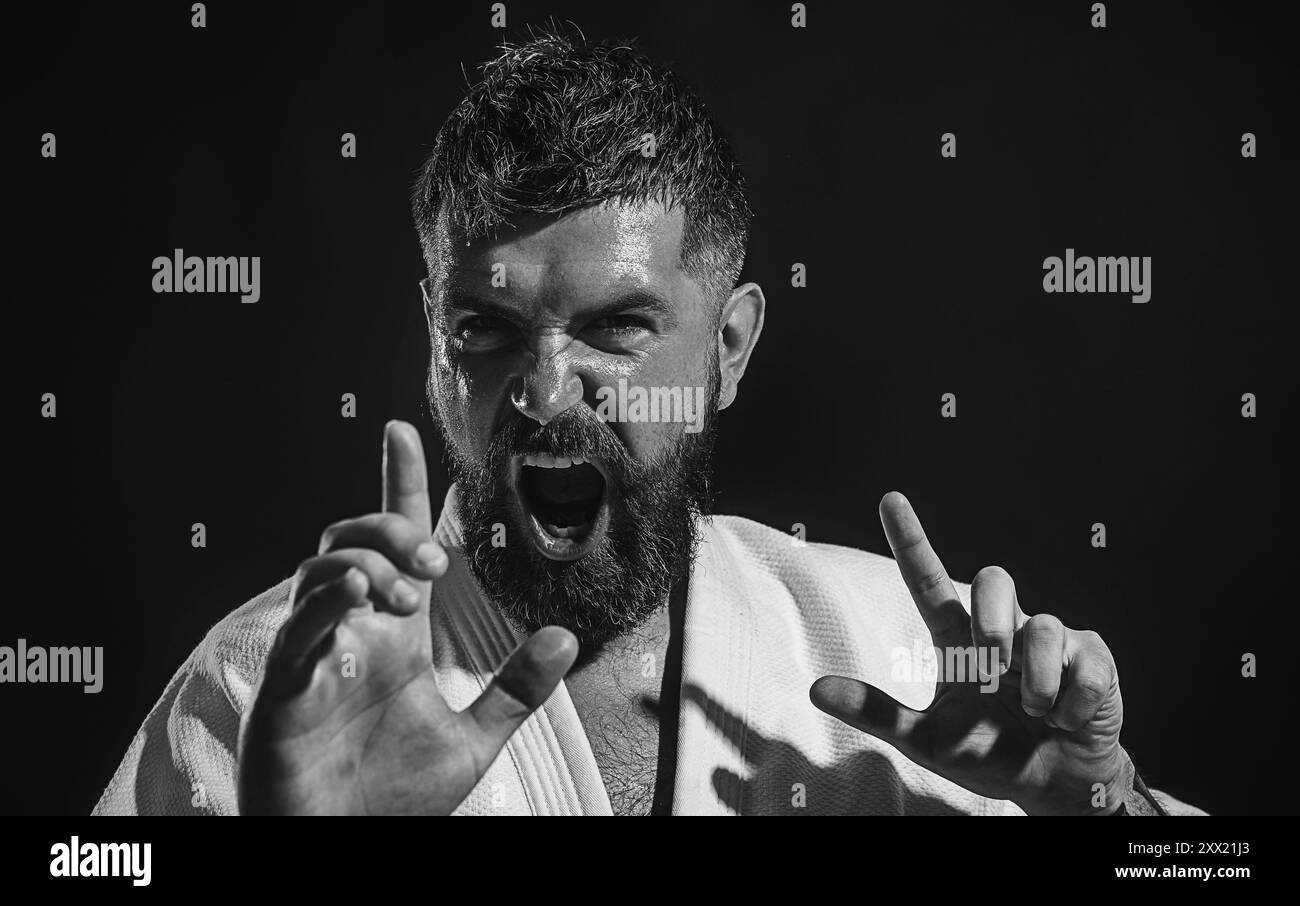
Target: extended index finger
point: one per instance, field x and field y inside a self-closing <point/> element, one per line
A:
<point x="922" y="571"/>
<point x="406" y="481"/>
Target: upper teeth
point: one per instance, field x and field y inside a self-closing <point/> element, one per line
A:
<point x="547" y="461"/>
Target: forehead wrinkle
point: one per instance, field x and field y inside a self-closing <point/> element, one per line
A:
<point x="603" y="251"/>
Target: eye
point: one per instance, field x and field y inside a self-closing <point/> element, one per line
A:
<point x="618" y="325"/>
<point x="480" y="332"/>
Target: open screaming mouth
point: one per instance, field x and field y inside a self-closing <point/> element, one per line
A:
<point x="565" y="503"/>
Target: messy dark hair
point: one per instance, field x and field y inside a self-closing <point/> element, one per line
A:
<point x="559" y="123"/>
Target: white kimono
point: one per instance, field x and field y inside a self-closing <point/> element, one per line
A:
<point x="765" y="617"/>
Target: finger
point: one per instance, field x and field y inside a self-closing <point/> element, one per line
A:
<point x="1043" y="658"/>
<point x="1089" y="677"/>
<point x="875" y="712"/>
<point x="995" y="614"/>
<point x="523" y="683"/>
<point x="399" y="539"/>
<point x="388" y="589"/>
<point x="406" y="481"/>
<point x="922" y="571"/>
<point x="298" y="642"/>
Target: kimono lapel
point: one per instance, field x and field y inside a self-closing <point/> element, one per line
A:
<point x="716" y="681"/>
<point x="553" y="765"/>
<point x="550" y="759"/>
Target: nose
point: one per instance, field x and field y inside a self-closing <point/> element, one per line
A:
<point x="547" y="387"/>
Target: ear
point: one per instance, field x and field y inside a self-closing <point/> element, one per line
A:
<point x="739" y="327"/>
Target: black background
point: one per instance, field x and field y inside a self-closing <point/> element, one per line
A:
<point x="924" y="277"/>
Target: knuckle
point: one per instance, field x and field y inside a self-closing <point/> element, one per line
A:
<point x="329" y="537"/>
<point x="382" y="523"/>
<point x="303" y="576"/>
<point x="1094" y="642"/>
<point x="1092" y="686"/>
<point x="1037" y="705"/>
<point x="1038" y="690"/>
<point x="994" y="633"/>
<point x="1069" y="721"/>
<point x="931" y="580"/>
<point x="394" y="528"/>
<point x="1043" y="626"/>
<point x="374" y="564"/>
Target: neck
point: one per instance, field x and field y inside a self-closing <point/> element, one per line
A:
<point x="659" y="632"/>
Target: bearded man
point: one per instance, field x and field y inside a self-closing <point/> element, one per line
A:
<point x="575" y="633"/>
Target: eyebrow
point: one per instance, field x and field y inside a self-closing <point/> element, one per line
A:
<point x="631" y="300"/>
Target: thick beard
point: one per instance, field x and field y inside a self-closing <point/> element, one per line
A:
<point x="651" y="541"/>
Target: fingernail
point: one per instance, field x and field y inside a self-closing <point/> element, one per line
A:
<point x="405" y="592"/>
<point x="429" y="554"/>
<point x="355" y="577"/>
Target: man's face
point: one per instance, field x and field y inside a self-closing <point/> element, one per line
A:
<point x="575" y="380"/>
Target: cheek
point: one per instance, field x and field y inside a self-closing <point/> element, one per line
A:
<point x="466" y="396"/>
<point x="681" y="374"/>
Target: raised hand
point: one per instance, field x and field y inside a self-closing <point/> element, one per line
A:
<point x="348" y="718"/>
<point x="1047" y="737"/>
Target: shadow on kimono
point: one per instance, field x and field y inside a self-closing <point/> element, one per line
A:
<point x="783" y="781"/>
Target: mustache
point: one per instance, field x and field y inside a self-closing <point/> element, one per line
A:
<point x="574" y="432"/>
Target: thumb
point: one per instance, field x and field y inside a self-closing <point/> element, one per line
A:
<point x="872" y="711"/>
<point x="523" y="683"/>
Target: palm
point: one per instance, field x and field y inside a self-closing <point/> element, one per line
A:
<point x="371" y="733"/>
<point x="348" y="718"/>
<point x="979" y="732"/>
<point x="985" y="742"/>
